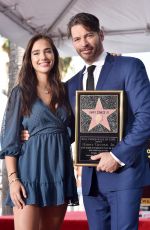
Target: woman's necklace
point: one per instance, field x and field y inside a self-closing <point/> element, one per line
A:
<point x="44" y="90"/>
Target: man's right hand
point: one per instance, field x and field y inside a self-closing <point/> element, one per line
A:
<point x="25" y="135"/>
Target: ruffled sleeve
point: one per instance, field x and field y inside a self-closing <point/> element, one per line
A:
<point x="11" y="125"/>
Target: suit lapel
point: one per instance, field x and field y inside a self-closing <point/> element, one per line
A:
<point x="103" y="75"/>
<point x="80" y="79"/>
<point x="105" y="71"/>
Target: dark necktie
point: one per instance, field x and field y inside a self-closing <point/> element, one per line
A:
<point x="90" y="78"/>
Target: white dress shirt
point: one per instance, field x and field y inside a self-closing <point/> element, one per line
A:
<point x="99" y="64"/>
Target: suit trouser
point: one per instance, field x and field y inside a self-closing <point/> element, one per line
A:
<point x="117" y="210"/>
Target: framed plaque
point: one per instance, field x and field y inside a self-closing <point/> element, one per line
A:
<point x="148" y="150"/>
<point x="99" y="124"/>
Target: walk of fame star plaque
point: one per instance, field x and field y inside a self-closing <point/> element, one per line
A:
<point x="99" y="124"/>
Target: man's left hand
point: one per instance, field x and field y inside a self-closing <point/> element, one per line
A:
<point x="107" y="163"/>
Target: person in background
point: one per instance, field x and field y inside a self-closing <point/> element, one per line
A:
<point x="112" y="191"/>
<point x="40" y="170"/>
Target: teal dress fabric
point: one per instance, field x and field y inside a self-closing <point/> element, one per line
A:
<point x="45" y="164"/>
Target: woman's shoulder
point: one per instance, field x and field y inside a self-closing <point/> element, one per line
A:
<point x="15" y="95"/>
<point x="16" y="88"/>
<point x="16" y="91"/>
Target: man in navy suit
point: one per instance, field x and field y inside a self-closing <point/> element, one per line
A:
<point x="112" y="190"/>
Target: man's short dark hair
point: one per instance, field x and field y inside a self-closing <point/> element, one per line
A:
<point x="89" y="21"/>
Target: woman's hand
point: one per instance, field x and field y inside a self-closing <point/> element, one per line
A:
<point x="17" y="193"/>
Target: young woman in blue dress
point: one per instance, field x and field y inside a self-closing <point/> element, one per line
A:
<point x="40" y="170"/>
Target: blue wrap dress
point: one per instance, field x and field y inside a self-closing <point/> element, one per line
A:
<point x="44" y="162"/>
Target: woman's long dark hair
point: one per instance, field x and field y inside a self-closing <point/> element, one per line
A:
<point x="28" y="81"/>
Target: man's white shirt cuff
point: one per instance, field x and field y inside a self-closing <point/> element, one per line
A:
<point x="120" y="162"/>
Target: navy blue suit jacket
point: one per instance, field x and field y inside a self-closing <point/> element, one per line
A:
<point x="127" y="74"/>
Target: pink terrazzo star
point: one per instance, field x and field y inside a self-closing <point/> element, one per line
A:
<point x="99" y="115"/>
